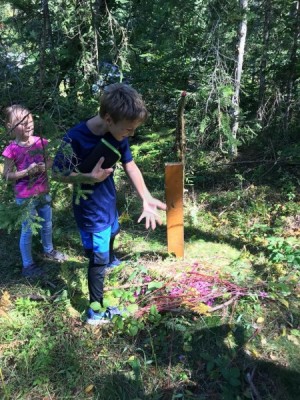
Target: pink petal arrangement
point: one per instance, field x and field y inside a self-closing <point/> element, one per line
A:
<point x="192" y="290"/>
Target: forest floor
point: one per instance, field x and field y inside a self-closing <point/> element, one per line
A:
<point x="222" y="323"/>
<point x="250" y="346"/>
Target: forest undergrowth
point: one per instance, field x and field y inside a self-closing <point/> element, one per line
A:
<point x="222" y="323"/>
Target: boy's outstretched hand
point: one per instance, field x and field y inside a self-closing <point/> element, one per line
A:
<point x="150" y="212"/>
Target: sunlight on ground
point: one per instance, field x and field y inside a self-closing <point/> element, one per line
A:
<point x="213" y="257"/>
<point x="218" y="254"/>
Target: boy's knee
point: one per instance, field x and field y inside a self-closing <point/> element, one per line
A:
<point x="96" y="258"/>
<point x="99" y="258"/>
<point x="96" y="271"/>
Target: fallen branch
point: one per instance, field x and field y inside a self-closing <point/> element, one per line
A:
<point x="227" y="303"/>
<point x="126" y="286"/>
<point x="249" y="378"/>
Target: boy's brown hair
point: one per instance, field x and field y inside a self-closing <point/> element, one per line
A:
<point x="122" y="102"/>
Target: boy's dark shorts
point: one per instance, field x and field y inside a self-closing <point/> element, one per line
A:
<point x="97" y="243"/>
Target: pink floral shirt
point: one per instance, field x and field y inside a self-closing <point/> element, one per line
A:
<point x="23" y="156"/>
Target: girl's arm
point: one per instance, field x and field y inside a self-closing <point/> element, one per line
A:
<point x="43" y="166"/>
<point x="10" y="173"/>
<point x="49" y="162"/>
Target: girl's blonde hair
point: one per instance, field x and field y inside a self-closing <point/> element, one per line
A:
<point x="14" y="110"/>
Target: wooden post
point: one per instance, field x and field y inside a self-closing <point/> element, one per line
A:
<point x="174" y="199"/>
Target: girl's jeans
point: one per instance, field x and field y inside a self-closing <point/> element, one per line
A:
<point x="40" y="206"/>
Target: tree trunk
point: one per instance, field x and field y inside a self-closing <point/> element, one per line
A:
<point x="180" y="129"/>
<point x="238" y="75"/>
<point x="263" y="62"/>
<point x="98" y="9"/>
<point x="292" y="69"/>
<point x="45" y="42"/>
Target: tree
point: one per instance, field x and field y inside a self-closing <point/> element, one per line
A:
<point x="54" y="49"/>
<point x="242" y="33"/>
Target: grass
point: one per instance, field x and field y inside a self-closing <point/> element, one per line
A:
<point x="249" y="349"/>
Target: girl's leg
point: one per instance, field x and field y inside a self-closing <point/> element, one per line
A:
<point x="45" y="212"/>
<point x="26" y="235"/>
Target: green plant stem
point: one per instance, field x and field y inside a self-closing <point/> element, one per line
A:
<point x="152" y="348"/>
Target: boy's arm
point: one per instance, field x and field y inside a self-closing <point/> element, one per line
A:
<point x="150" y="204"/>
<point x="97" y="175"/>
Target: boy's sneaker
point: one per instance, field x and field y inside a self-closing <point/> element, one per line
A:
<point x="114" y="262"/>
<point x="111" y="311"/>
<point x="55" y="255"/>
<point x="96" y="317"/>
<point x="33" y="271"/>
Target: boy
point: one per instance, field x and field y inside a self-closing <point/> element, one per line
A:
<point x="122" y="111"/>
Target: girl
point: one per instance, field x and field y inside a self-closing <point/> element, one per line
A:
<point x="25" y="164"/>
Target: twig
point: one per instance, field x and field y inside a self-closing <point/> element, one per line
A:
<point x="233" y="203"/>
<point x="170" y="358"/>
<point x="249" y="378"/>
<point x="227" y="303"/>
<point x="126" y="286"/>
<point x="279" y="162"/>
<point x="36" y="297"/>
<point x="178" y="309"/>
<point x="50" y="284"/>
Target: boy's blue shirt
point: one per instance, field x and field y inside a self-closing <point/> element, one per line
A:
<point x="97" y="211"/>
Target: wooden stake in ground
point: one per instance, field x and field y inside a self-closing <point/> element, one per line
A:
<point x="174" y="184"/>
<point x="174" y="199"/>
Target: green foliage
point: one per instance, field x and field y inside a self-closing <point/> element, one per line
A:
<point x="72" y="48"/>
<point x="241" y="220"/>
<point x="284" y="251"/>
<point x="25" y="306"/>
<point x="154" y="316"/>
<point x="53" y="352"/>
<point x="12" y="216"/>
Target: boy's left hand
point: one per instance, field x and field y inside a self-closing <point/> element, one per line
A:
<point x="150" y="212"/>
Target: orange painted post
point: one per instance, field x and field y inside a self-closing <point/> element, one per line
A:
<point x="174" y="199"/>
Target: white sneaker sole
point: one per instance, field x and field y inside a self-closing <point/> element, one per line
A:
<point x="97" y="321"/>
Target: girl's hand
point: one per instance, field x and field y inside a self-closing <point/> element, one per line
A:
<point x="36" y="168"/>
<point x="33" y="169"/>
<point x="41" y="167"/>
